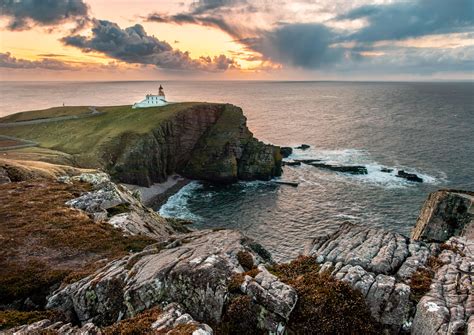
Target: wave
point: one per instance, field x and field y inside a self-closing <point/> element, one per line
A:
<point x="177" y="204"/>
<point x="374" y="174"/>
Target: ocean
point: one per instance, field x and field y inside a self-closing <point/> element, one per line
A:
<point x="424" y="128"/>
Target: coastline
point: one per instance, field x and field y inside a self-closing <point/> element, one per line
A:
<point x="157" y="194"/>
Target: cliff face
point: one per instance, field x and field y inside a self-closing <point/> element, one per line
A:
<point x="208" y="142"/>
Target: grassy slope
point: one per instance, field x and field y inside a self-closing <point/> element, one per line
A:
<point x="84" y="137"/>
<point x="46" y="113"/>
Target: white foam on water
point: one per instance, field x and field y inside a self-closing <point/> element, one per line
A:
<point x="362" y="157"/>
<point x="177" y="204"/>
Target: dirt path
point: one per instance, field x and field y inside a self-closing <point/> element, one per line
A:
<point x="11" y="143"/>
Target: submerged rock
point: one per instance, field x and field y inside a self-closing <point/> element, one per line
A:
<point x="444" y="214"/>
<point x="286" y="151"/>
<point x="352" y="169"/>
<point x="303" y="147"/>
<point x="386" y="170"/>
<point x="409" y="176"/>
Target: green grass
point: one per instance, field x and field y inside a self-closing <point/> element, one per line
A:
<point x="46" y="113"/>
<point x="88" y="137"/>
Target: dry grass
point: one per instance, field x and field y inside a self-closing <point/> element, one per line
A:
<point x="245" y="259"/>
<point x="43" y="241"/>
<point x="13" y="318"/>
<point x="324" y="303"/>
<point x="140" y="324"/>
<point x="420" y="282"/>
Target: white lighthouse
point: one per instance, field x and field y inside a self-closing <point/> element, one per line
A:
<point x="152" y="100"/>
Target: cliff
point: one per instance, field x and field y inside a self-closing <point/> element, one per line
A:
<point x="144" y="146"/>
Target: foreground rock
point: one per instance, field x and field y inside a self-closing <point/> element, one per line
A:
<point x="445" y="214"/>
<point x="192" y="269"/>
<point x="170" y="320"/>
<point x="448" y="307"/>
<point x="119" y="207"/>
<point x="377" y="263"/>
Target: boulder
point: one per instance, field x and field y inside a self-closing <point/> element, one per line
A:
<point x="286" y="151"/>
<point x="444" y="214"/>
<point x="192" y="269"/>
<point x="173" y="316"/>
<point x="409" y="176"/>
<point x="49" y="327"/>
<point x="386" y="170"/>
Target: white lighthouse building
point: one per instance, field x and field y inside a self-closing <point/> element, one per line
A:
<point x="152" y="100"/>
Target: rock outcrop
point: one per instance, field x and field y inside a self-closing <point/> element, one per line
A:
<point x="448" y="307"/>
<point x="376" y="262"/>
<point x="119" y="207"/>
<point x="446" y="213"/>
<point x="208" y="141"/>
<point x="193" y="270"/>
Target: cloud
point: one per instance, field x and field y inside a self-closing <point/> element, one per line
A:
<point x="8" y="61"/>
<point x="42" y="12"/>
<point x="333" y="34"/>
<point x="411" y="19"/>
<point x="134" y="45"/>
<point x="302" y="45"/>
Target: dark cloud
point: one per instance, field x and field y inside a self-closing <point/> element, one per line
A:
<point x="42" y="12"/>
<point x="8" y="61"/>
<point x="134" y="45"/>
<point x="302" y="45"/>
<point x="412" y="19"/>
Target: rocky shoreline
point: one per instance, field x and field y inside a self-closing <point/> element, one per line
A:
<point x="200" y="275"/>
<point x="99" y="260"/>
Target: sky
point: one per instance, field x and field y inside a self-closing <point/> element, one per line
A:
<point x="237" y="40"/>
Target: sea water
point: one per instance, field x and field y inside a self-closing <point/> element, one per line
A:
<point x="422" y="128"/>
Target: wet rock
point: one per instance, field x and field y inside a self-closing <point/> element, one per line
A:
<point x="119" y="207"/>
<point x="445" y="214"/>
<point x="449" y="305"/>
<point x="307" y="161"/>
<point x="286" y="151"/>
<point x="354" y="169"/>
<point x="386" y="170"/>
<point x="303" y="147"/>
<point x="192" y="270"/>
<point x="291" y="163"/>
<point x="409" y="176"/>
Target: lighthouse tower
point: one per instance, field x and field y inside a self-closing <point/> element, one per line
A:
<point x="161" y="93"/>
<point x="152" y="100"/>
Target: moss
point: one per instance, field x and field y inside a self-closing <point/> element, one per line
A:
<point x="13" y="318"/>
<point x="140" y="324"/>
<point x="324" y="303"/>
<point x="119" y="209"/>
<point x="245" y="259"/>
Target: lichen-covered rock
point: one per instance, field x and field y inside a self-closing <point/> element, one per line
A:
<point x="173" y="316"/>
<point x="377" y="263"/>
<point x="117" y="205"/>
<point x="192" y="269"/>
<point x="445" y="214"/>
<point x="48" y="327"/>
<point x="206" y="141"/>
<point x="449" y="305"/>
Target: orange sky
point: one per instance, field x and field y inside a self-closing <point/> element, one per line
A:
<point x="43" y="42"/>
